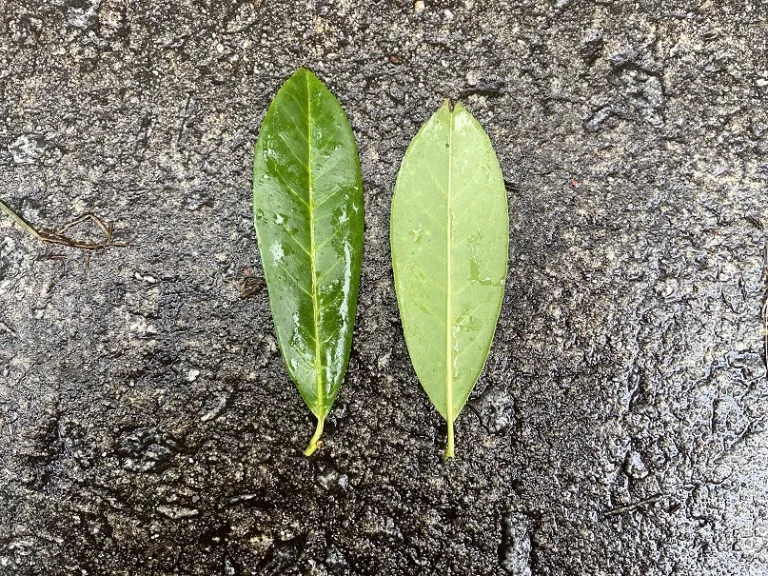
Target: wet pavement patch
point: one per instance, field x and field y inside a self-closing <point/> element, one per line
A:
<point x="147" y="423"/>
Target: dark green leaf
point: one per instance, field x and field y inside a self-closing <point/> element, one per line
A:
<point x="308" y="213"/>
<point x="450" y="237"/>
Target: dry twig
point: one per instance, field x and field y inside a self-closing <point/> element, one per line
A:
<point x="59" y="237"/>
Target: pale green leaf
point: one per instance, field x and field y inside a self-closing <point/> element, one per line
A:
<point x="449" y="235"/>
<point x="308" y="214"/>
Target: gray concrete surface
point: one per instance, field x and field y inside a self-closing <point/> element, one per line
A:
<point x="147" y="425"/>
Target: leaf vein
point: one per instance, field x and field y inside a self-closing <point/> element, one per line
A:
<point x="472" y="180"/>
<point x="465" y="348"/>
<point x="448" y="295"/>
<point x="437" y="184"/>
<point x="325" y="242"/>
<point x="431" y="345"/>
<point x="429" y="312"/>
<point x="435" y="222"/>
<point x="299" y="244"/>
<point x="328" y="197"/>
<point x="435" y="254"/>
<point x="327" y="171"/>
<point x="291" y="189"/>
<point x="329" y="272"/>
<point x="301" y="162"/>
<point x="298" y="130"/>
<point x="295" y="281"/>
<point x="332" y="336"/>
<point x="295" y="98"/>
<point x="424" y="276"/>
<point x="319" y="387"/>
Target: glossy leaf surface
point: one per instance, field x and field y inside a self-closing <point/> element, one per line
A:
<point x="308" y="214"/>
<point x="449" y="235"/>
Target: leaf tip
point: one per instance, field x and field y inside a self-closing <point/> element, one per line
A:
<point x="302" y="72"/>
<point x="452" y="107"/>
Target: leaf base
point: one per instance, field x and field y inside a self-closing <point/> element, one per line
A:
<point x="449" y="446"/>
<point x="315" y="442"/>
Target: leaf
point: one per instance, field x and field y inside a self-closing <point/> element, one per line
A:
<point x="449" y="234"/>
<point x="308" y="215"/>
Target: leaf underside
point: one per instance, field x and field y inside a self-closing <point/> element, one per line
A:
<point x="449" y="235"/>
<point x="308" y="215"/>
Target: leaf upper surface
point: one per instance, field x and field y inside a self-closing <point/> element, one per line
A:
<point x="308" y="215"/>
<point x="449" y="236"/>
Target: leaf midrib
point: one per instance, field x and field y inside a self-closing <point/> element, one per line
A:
<point x="320" y="389"/>
<point x="448" y="295"/>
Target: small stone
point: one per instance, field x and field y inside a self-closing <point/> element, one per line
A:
<point x="177" y="512"/>
<point x="94" y="528"/>
<point x="750" y="364"/>
<point x="397" y="94"/>
<point x="11" y="259"/>
<point x="27" y="149"/>
<point x="81" y="18"/>
<point x="516" y="545"/>
<point x="666" y="287"/>
<point x="328" y="478"/>
<point x="147" y="450"/>
<point x="418" y="6"/>
<point x="216" y="410"/>
<point x="595" y="121"/>
<point x="635" y="467"/>
<point x="496" y="410"/>
<point x="335" y="560"/>
<point x="145" y="278"/>
<point x="229" y="567"/>
<point x="242" y="499"/>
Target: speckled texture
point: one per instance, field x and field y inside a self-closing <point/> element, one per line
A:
<point x="147" y="424"/>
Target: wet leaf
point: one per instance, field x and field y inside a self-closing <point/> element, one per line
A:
<point x="308" y="214"/>
<point x="449" y="235"/>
